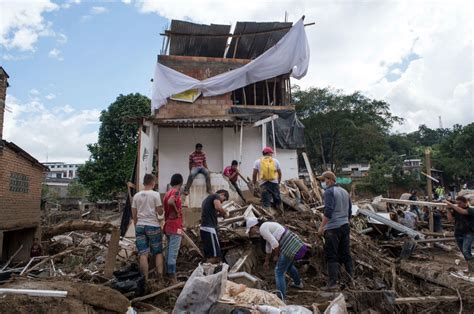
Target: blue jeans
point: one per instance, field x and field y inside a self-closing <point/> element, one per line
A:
<point x="270" y="190"/>
<point x="464" y="242"/>
<point x="285" y="264"/>
<point x="194" y="172"/>
<point x="174" y="242"/>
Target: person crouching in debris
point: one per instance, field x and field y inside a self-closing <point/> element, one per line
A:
<point x="211" y="207"/>
<point x="36" y="248"/>
<point x="286" y="246"/>
<point x="335" y="228"/>
<point x="463" y="227"/>
<point x="173" y="228"/>
<point x="269" y="171"/>
<point x="146" y="209"/>
<point x="407" y="218"/>
<point x="197" y="165"/>
<point x="232" y="173"/>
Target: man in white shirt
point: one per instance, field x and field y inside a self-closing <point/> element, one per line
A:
<point x="146" y="212"/>
<point x="268" y="171"/>
<point x="286" y="246"/>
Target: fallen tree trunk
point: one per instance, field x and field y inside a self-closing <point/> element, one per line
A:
<point x="76" y="225"/>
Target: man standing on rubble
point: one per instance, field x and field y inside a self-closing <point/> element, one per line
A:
<point x="268" y="170"/>
<point x="147" y="212"/>
<point x="197" y="165"/>
<point x="211" y="207"/>
<point x="173" y="228"/>
<point x="335" y="228"/>
<point x="232" y="173"/>
<point x="463" y="227"/>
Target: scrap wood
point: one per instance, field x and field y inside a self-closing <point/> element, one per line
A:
<point x="190" y="242"/>
<point x="154" y="294"/>
<point x="408" y="202"/>
<point x="12" y="257"/>
<point x="45" y="260"/>
<point x="312" y="178"/>
<point x="75" y="225"/>
<point x="112" y="252"/>
<point x="427" y="299"/>
<point x="293" y="204"/>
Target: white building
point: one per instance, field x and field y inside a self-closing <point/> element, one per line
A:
<point x="235" y="125"/>
<point x="359" y="169"/>
<point x="61" y="170"/>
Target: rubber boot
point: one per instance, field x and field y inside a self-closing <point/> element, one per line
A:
<point x="333" y="273"/>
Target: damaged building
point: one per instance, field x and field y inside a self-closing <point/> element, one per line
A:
<point x="232" y="122"/>
<point x="20" y="192"/>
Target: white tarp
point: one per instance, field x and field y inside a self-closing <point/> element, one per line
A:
<point x="290" y="54"/>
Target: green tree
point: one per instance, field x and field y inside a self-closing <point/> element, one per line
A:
<point x="340" y="127"/>
<point x="76" y="190"/>
<point x="112" y="157"/>
<point x="381" y="174"/>
<point x="455" y="155"/>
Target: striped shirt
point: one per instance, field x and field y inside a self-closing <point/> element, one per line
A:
<point x="197" y="159"/>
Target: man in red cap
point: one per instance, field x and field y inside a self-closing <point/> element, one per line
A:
<point x="268" y="170"/>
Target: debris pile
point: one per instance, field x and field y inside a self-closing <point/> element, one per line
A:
<point x="396" y="268"/>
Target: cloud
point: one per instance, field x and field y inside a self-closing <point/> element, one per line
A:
<point x="69" y="3"/>
<point x="34" y="92"/>
<point x="61" y="38"/>
<point x="50" y="96"/>
<point x="62" y="132"/>
<point x="56" y="54"/>
<point x="22" y="23"/>
<point x="127" y="1"/>
<point x="409" y="53"/>
<point x="98" y="10"/>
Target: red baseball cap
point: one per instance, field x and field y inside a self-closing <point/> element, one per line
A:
<point x="267" y="150"/>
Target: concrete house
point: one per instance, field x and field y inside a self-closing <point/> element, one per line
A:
<point x="20" y="192"/>
<point x="233" y="125"/>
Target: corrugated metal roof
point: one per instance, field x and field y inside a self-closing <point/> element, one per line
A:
<point x="251" y="46"/>
<point x="181" y="45"/>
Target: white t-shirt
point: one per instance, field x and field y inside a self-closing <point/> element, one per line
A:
<point x="271" y="232"/>
<point x="146" y="203"/>
<point x="256" y="166"/>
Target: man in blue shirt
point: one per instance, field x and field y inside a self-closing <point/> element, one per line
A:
<point x="335" y="228"/>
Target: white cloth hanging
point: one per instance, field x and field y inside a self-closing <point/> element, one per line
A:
<point x="289" y="55"/>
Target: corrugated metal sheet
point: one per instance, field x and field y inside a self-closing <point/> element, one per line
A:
<point x="198" y="46"/>
<point x="196" y="122"/>
<point x="251" y="46"/>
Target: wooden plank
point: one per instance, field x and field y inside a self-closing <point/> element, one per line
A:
<point x="112" y="253"/>
<point x="427" y="299"/>
<point x="193" y="245"/>
<point x="408" y="202"/>
<point x="436" y="240"/>
<point x="312" y="178"/>
<point x="428" y="174"/>
<point x="154" y="294"/>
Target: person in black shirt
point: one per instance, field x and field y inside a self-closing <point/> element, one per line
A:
<point x="211" y="207"/>
<point x="463" y="228"/>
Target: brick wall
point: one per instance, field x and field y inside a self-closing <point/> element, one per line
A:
<point x="18" y="209"/>
<point x="199" y="68"/>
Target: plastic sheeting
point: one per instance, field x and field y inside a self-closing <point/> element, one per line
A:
<point x="290" y="54"/>
<point x="289" y="131"/>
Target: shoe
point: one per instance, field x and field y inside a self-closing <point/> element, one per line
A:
<point x="300" y="286"/>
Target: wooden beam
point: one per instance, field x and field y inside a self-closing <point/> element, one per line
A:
<point x="112" y="253"/>
<point x="191" y="243"/>
<point x="436" y="240"/>
<point x="154" y="294"/>
<point x="408" y="202"/>
<point x="312" y="178"/>
<point x="427" y="299"/>
<point x="254" y="94"/>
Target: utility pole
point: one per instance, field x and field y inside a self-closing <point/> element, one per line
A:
<point x="428" y="172"/>
<point x="428" y="186"/>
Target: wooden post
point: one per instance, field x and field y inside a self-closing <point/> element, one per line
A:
<point x="428" y="172"/>
<point x="235" y="48"/>
<point x="112" y="253"/>
<point x="274" y="91"/>
<point x="254" y="94"/>
<point x="431" y="220"/>
<point x="312" y="178"/>
<point x="245" y="96"/>
<point x="268" y="93"/>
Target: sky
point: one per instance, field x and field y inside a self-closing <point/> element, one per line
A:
<point x="69" y="60"/>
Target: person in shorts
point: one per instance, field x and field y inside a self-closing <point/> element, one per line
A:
<point x="211" y="207"/>
<point x="146" y="212"/>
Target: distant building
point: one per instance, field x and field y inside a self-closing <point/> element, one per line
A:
<point x="20" y="192"/>
<point x="61" y="170"/>
<point x="412" y="165"/>
<point x="360" y="169"/>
